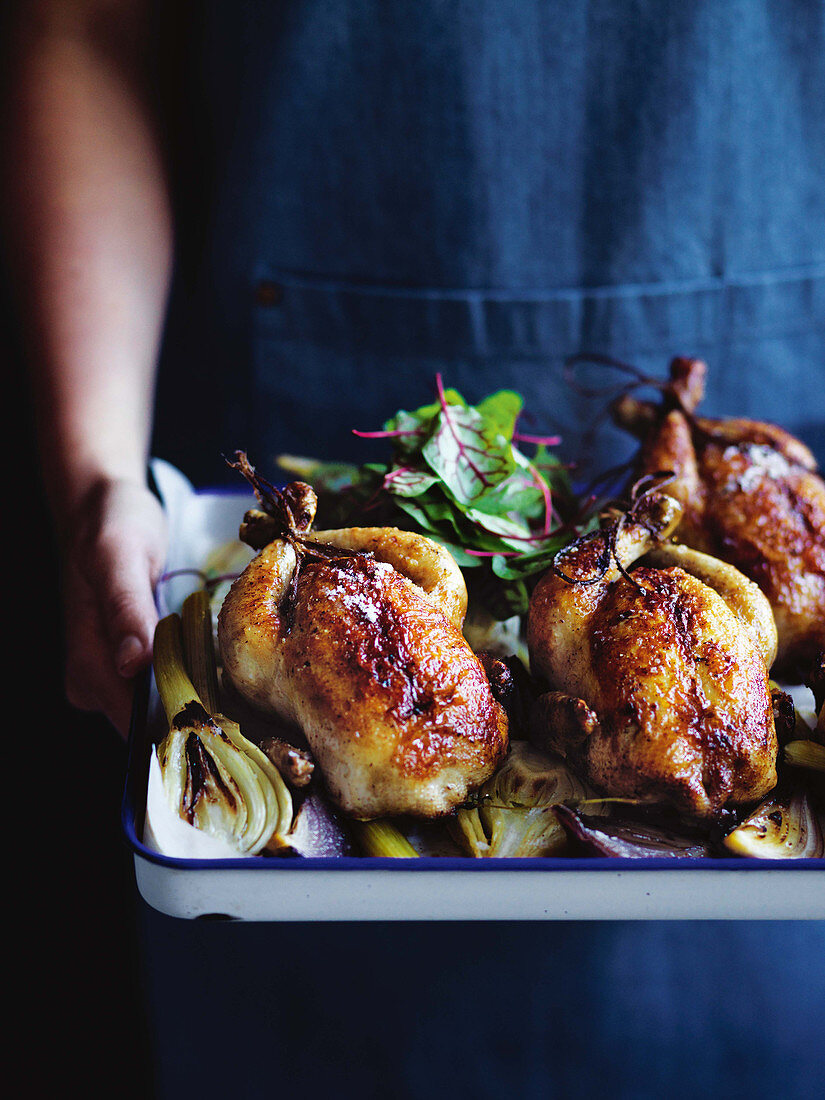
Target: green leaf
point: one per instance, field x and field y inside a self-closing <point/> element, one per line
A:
<point x="468" y="454"/>
<point x="513" y="599"/>
<point x="517" y="494"/>
<point x="501" y="410"/>
<point x="503" y="526"/>
<point x="415" y="427"/>
<point x="408" y="481"/>
<point x="431" y="518"/>
<point x="455" y="476"/>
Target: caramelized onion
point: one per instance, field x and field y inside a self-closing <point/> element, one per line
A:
<point x="317" y="830"/>
<point x="613" y="837"/>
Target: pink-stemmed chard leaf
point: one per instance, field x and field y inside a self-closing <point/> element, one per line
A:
<point x="405" y="431"/>
<point x="469" y="455"/>
<point x="544" y="489"/>
<point x="456" y="474"/>
<point x="502" y="410"/>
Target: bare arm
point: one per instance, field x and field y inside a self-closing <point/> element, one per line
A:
<point x="91" y="230"/>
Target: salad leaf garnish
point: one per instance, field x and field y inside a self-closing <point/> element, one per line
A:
<point x="458" y="474"/>
<point x="469" y="455"/>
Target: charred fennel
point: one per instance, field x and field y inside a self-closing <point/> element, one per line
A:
<point x="199" y="648"/>
<point x="785" y="826"/>
<point x="514" y="816"/>
<point x="214" y="778"/>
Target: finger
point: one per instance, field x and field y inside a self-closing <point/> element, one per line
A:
<point x="125" y="597"/>
<point x="115" y="700"/>
<point x="91" y="679"/>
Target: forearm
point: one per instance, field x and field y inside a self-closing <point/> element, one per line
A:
<point x="93" y="247"/>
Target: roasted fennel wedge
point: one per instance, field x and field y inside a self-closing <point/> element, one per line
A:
<point x="214" y="778"/>
<point x="199" y="653"/>
<point x="514" y="814"/>
<point x="787" y="825"/>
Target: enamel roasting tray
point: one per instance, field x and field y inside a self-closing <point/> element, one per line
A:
<point x="444" y="888"/>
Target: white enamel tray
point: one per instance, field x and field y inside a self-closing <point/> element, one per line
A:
<point x="346" y="889"/>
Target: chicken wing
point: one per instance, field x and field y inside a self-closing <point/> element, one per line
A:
<point x="355" y="636"/>
<point x="659" y="681"/>
<point x="752" y="497"/>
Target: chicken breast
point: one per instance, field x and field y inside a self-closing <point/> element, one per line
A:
<point x="659" y="682"/>
<point x="371" y="665"/>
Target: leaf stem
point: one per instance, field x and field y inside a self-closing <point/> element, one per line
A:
<point x="539" y="440"/>
<point x="385" y="434"/>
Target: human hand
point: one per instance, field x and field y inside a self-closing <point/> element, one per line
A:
<point x="113" y="553"/>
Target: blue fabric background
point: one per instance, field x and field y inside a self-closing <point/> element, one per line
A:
<point x="486" y="187"/>
<point x="639" y="1010"/>
<point x="369" y="193"/>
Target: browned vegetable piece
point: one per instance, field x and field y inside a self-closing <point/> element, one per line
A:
<point x="318" y="830"/>
<point x="786" y="825"/>
<point x="612" y="836"/>
<point x="784" y="715"/>
<point x="816" y="682"/>
<point x="295" y="765"/>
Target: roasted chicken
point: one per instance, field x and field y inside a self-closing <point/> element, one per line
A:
<point x="751" y="496"/>
<point x="658" y="677"/>
<point x="355" y="636"/>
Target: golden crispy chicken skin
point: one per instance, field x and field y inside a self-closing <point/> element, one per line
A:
<point x="659" y="683"/>
<point x="373" y="667"/>
<point x="751" y="496"/>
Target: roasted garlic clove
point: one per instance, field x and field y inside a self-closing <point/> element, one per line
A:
<point x="297" y="766"/>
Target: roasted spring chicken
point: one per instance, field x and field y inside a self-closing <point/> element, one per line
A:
<point x="355" y="635"/>
<point x="659" y="676"/>
<point x="751" y="496"/>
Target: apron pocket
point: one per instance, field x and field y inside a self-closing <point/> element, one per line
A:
<point x="331" y="356"/>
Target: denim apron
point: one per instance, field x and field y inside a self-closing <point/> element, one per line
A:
<point x="370" y="193"/>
